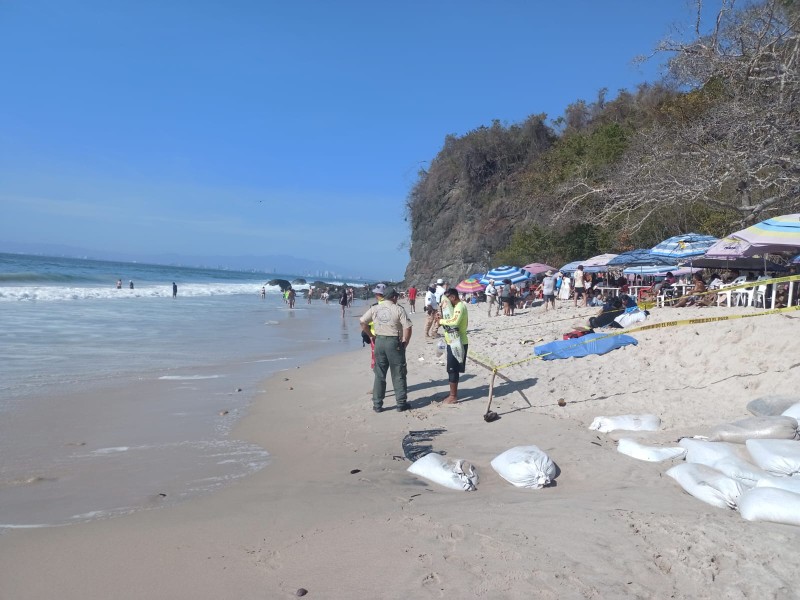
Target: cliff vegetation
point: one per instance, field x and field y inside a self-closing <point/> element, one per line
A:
<point x="713" y="147"/>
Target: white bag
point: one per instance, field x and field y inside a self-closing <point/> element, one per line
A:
<point x="771" y="405"/>
<point x="455" y="346"/>
<point x="770" y="504"/>
<point x="455" y="474"/>
<point x="793" y="411"/>
<point x="631" y="318"/>
<point x="626" y="422"/>
<point x="634" y="449"/>
<point x="739" y="469"/>
<point x="790" y="484"/>
<point x="706" y="484"/>
<point x="738" y="432"/>
<point x="707" y="453"/>
<point x="525" y="466"/>
<point x="781" y="457"/>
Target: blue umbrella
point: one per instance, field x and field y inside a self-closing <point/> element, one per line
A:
<point x="636" y="258"/>
<point x="515" y="274"/>
<point x="684" y="246"/>
<point x="573" y="266"/>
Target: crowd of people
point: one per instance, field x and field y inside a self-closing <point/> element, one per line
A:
<point x="387" y="327"/>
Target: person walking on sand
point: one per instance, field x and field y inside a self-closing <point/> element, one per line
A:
<point x="174" y="290"/>
<point x="344" y="300"/>
<point x="456" y="325"/>
<point x="291" y="296"/>
<point x="412" y="298"/>
<point x="549" y="290"/>
<point x="432" y="309"/>
<point x="392" y="332"/>
<point x="580" y="287"/>
<point x="491" y="298"/>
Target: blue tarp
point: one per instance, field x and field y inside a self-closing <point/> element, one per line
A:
<point x="583" y="346"/>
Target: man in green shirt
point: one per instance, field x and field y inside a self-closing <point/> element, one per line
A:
<point x="455" y="325"/>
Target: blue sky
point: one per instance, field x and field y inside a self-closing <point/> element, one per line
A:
<point x="258" y="127"/>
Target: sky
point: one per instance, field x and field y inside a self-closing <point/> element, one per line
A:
<point x="256" y="127"/>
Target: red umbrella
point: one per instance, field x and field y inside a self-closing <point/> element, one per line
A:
<point x="537" y="268"/>
<point x="470" y="286"/>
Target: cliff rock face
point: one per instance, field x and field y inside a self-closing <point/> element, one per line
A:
<point x="465" y="207"/>
<point x="457" y="239"/>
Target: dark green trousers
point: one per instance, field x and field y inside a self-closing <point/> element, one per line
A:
<point x="389" y="354"/>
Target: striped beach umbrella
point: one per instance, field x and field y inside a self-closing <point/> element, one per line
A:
<point x="470" y="286"/>
<point x="777" y="234"/>
<point x="684" y="246"/>
<point x="515" y="274"/>
<point x="639" y="257"/>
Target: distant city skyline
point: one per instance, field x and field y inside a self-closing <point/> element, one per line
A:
<point x="265" y="128"/>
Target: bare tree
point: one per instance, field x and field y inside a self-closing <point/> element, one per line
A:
<point x="731" y="143"/>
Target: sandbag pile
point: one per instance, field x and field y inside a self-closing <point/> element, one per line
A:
<point x="521" y="466"/>
<point x="751" y="465"/>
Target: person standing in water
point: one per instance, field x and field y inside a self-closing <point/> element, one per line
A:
<point x="174" y="289"/>
<point x="344" y="300"/>
<point x="131" y="284"/>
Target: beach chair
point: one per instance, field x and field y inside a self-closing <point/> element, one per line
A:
<point x="726" y="295"/>
<point x="747" y="296"/>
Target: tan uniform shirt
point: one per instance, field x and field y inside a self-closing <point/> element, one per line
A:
<point x="388" y="319"/>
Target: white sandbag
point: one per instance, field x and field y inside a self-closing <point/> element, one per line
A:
<point x="738" y="432"/>
<point x="793" y="411"/>
<point x="626" y="422"/>
<point x="770" y="504"/>
<point x="639" y="451"/>
<point x="525" y="466"/>
<point x="790" y="484"/>
<point x="631" y="318"/>
<point x="707" y="453"/>
<point x="455" y="474"/>
<point x="771" y="405"/>
<point x="739" y="469"/>
<point x="781" y="457"/>
<point x="706" y="484"/>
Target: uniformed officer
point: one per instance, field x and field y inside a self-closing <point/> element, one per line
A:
<point x="392" y="332"/>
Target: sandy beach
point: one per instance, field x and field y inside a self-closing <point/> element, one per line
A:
<point x="336" y="513"/>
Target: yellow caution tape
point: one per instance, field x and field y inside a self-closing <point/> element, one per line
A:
<point x="663" y="325"/>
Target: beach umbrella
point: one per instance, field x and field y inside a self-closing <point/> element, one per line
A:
<point x="774" y="235"/>
<point x="636" y="258"/>
<point x="596" y="264"/>
<point x="684" y="246"/>
<point x="660" y="270"/>
<point x="741" y="264"/>
<point x="571" y="267"/>
<point x="470" y="286"/>
<point x="599" y="263"/>
<point x="538" y="268"/>
<point x="515" y="274"/>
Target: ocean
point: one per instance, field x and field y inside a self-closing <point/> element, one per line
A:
<point x="118" y="400"/>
